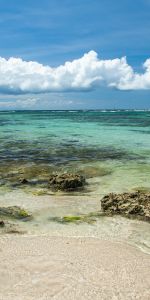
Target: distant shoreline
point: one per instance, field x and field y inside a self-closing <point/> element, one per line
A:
<point x="80" y="110"/>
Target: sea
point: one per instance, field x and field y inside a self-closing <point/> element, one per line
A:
<point x="111" y="148"/>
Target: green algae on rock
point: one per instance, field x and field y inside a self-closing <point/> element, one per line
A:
<point x="66" y="181"/>
<point x="73" y="219"/>
<point x="135" y="204"/>
<point x="78" y="219"/>
<point x="15" y="212"/>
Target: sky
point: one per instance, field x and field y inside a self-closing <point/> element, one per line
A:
<point x="77" y="54"/>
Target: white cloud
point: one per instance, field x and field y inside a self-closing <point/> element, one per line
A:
<point x="29" y="102"/>
<point x="87" y="73"/>
<point x="20" y="103"/>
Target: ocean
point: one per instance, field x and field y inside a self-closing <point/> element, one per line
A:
<point x="110" y="148"/>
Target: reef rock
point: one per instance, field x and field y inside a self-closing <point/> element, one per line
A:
<point x="128" y="204"/>
<point x="14" y="212"/>
<point x="66" y="182"/>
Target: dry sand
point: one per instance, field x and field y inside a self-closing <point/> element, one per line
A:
<point x="42" y="267"/>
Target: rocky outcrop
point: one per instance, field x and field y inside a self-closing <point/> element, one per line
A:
<point x="135" y="204"/>
<point x="14" y="212"/>
<point x="66" y="182"/>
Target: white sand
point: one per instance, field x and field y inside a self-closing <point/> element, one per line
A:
<point x="42" y="267"/>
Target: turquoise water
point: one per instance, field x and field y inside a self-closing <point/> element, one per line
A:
<point x="110" y="147"/>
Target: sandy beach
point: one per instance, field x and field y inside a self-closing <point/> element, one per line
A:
<point x="44" y="267"/>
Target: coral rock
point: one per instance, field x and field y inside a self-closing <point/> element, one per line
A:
<point x="66" y="182"/>
<point x="14" y="212"/>
<point x="128" y="204"/>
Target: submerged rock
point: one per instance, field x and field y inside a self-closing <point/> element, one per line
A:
<point x="74" y="219"/>
<point x="2" y="224"/>
<point x="24" y="181"/>
<point x="15" y="212"/>
<point x="129" y="204"/>
<point x="78" y="219"/>
<point x="66" y="182"/>
<point x="94" y="171"/>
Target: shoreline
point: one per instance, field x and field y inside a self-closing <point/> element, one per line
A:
<point x="48" y="213"/>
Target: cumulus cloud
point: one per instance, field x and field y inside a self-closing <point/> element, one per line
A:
<point x="86" y="73"/>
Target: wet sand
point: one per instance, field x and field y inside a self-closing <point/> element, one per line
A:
<point x="44" y="267"/>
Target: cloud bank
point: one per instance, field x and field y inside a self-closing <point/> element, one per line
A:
<point x="86" y="73"/>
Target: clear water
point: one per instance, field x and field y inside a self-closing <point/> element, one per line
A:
<point x="111" y="148"/>
<point x="115" y="144"/>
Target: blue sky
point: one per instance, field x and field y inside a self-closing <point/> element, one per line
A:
<point x="52" y="32"/>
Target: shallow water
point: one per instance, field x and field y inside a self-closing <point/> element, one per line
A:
<point x="112" y="149"/>
<point x="44" y="208"/>
<point x="111" y="144"/>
